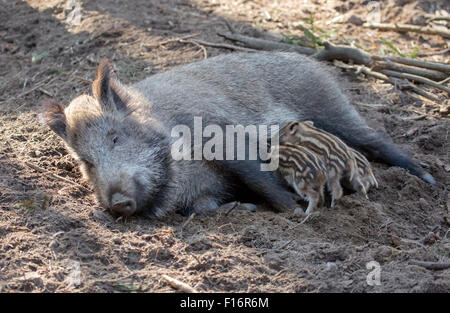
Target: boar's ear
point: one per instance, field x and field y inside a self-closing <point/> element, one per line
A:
<point x="107" y="89"/>
<point x="52" y="114"/>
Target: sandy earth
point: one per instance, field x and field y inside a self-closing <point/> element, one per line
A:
<point x="54" y="238"/>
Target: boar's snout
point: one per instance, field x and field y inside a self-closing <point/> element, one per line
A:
<point x="122" y="205"/>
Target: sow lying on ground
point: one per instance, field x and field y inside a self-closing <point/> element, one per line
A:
<point x="121" y="134"/>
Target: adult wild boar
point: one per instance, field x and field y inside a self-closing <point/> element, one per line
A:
<point x="122" y="135"/>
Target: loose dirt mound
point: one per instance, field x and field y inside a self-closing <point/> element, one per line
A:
<point x="55" y="238"/>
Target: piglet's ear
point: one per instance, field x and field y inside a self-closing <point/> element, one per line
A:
<point x="107" y="89"/>
<point x="309" y="123"/>
<point x="52" y="114"/>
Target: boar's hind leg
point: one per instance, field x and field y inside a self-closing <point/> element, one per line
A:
<point x="205" y="204"/>
<point x="265" y="184"/>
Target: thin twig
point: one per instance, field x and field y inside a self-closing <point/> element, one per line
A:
<point x="286" y="244"/>
<point x="409" y="28"/>
<point x="37" y="86"/>
<point x="162" y="43"/>
<point x="87" y="81"/>
<point x="37" y="168"/>
<point x="305" y="219"/>
<point x="205" y="54"/>
<point x="444" y="81"/>
<point x="236" y="204"/>
<point x="178" y="285"/>
<point x="48" y="93"/>
<point x="436" y="266"/>
<point x="224" y="45"/>
<point x="229" y="26"/>
<point x="190" y="218"/>
<point x="438" y="18"/>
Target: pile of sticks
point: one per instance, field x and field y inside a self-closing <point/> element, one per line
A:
<point x="404" y="73"/>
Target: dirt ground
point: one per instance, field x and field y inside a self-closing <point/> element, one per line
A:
<point x="54" y="237"/>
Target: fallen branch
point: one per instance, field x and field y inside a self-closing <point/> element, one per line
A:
<point x="416" y="78"/>
<point x="431" y="74"/>
<point x="435" y="266"/>
<point x="37" y="168"/>
<point x="408" y="85"/>
<point x="261" y="44"/>
<point x="422" y="92"/>
<point x="418" y="63"/>
<point x="409" y="28"/>
<point x="179" y="285"/>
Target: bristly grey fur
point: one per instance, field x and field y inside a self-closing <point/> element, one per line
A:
<point x="246" y="89"/>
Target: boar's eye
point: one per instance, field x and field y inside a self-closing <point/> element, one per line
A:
<point x="115" y="139"/>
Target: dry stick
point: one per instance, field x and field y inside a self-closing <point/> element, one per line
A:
<point x="427" y="54"/>
<point x="422" y="92"/>
<point x="431" y="74"/>
<point x="409" y="28"/>
<point x="179" y="285"/>
<point x="442" y="67"/>
<point x="444" y="81"/>
<point x="229" y="26"/>
<point x="286" y="244"/>
<point x="436" y="266"/>
<point x="170" y="41"/>
<point x="223" y="45"/>
<point x="261" y="44"/>
<point x="87" y="81"/>
<point x="205" y="54"/>
<point x="37" y="168"/>
<point x="416" y="78"/>
<point x="190" y="218"/>
<point x="431" y="18"/>
<point x="48" y="93"/>
<point x="39" y="85"/>
<point x="236" y="204"/>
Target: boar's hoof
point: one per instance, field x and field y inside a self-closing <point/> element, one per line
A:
<point x="122" y="205"/>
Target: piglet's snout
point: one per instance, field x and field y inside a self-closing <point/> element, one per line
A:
<point x="123" y="205"/>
